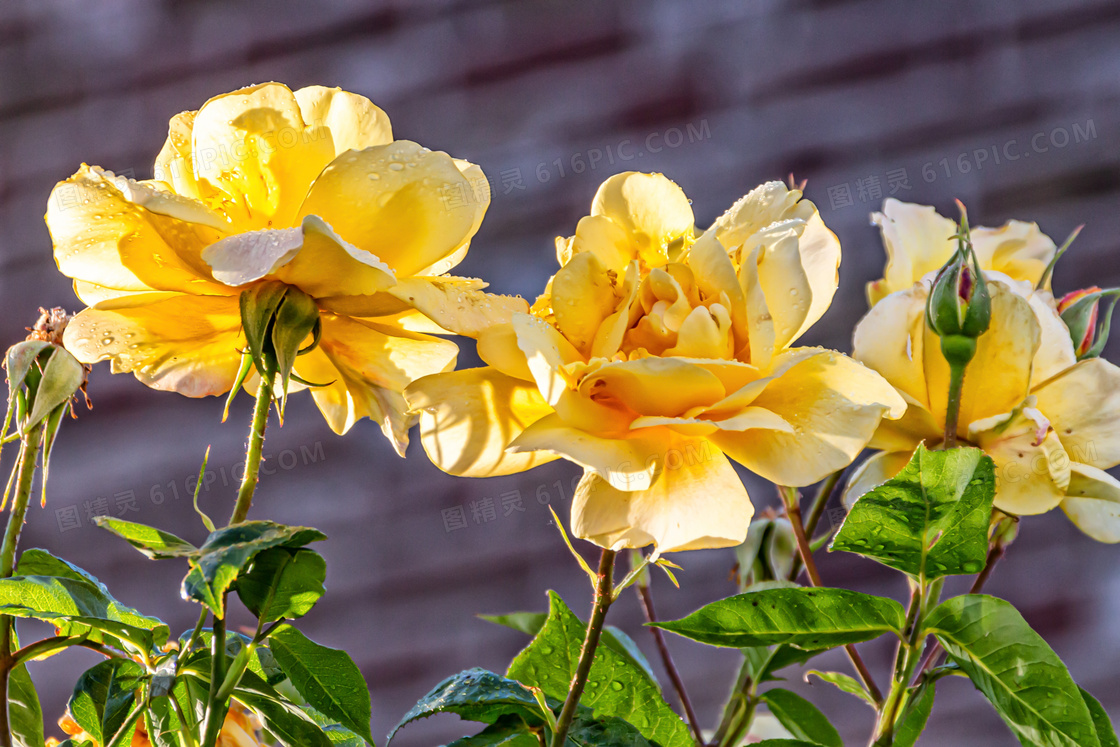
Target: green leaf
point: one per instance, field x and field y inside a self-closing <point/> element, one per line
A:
<point x="785" y="743"/>
<point x="808" y="618"/>
<point x="1013" y="666"/>
<point x="529" y="623"/>
<point x="228" y="551"/>
<point x="932" y="518"/>
<point x="336" y="732"/>
<point x="476" y="695"/>
<point x="326" y="678"/>
<point x="513" y="714"/>
<point x="291" y="726"/>
<point x="843" y="683"/>
<point x="25" y="714"/>
<point x="283" y="583"/>
<point x="155" y="543"/>
<point x="766" y="660"/>
<point x="615" y="686"/>
<point x="587" y="731"/>
<point x="532" y="622"/>
<point x="801" y="718"/>
<point x="1106" y="735"/>
<point x="103" y="697"/>
<point x="507" y="731"/>
<point x="78" y="607"/>
<point x="913" y="719"/>
<point x="261" y="662"/>
<point x="38" y="562"/>
<point x="162" y="723"/>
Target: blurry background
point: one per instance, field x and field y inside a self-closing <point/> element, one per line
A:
<point x="1012" y="106"/>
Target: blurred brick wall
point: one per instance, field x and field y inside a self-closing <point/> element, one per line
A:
<point x="1012" y="106"/>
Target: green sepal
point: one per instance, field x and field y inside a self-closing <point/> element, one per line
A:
<point x="258" y="307"/>
<point x="296" y="317"/>
<point x="62" y="376"/>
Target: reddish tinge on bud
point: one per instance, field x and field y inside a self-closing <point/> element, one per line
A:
<point x="1088" y="327"/>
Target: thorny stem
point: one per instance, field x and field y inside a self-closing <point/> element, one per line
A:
<point x="740" y="694"/>
<point x="791" y="498"/>
<point x="820" y="501"/>
<point x="215" y="710"/>
<point x="995" y="553"/>
<point x="953" y="405"/>
<point x="256" y="444"/>
<point x="28" y="456"/>
<point x="646" y="598"/>
<point x="909" y="649"/>
<point x="604" y="593"/>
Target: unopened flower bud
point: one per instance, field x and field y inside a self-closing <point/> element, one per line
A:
<point x="959" y="308"/>
<point x="1088" y="328"/>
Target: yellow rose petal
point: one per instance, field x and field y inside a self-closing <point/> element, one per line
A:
<point x="653" y="210"/>
<point x="654" y="386"/>
<point x="582" y="297"/>
<point x="834" y="405"/>
<point x="876" y="470"/>
<point x="252" y="146"/>
<point x="185" y="344"/>
<point x="1093" y="502"/>
<point x="890" y="340"/>
<point x="763" y="206"/>
<point x="352" y="122"/>
<point x="468" y="418"/>
<point x="627" y="463"/>
<point x="696" y="502"/>
<point x="1083" y="405"/>
<point x="409" y="206"/>
<point x="601" y="236"/>
<point x="455" y="307"/>
<point x="1032" y="468"/>
<point x="918" y="241"/>
<point x="1017" y="249"/>
<point x="102" y="237"/>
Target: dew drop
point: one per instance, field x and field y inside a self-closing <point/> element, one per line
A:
<point x="396" y="166"/>
<point x="616" y="685"/>
<point x="373" y="176"/>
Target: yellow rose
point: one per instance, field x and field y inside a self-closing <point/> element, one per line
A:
<point x="263" y="184"/>
<point x="653" y="356"/>
<point x="1048" y="421"/>
<point x="919" y="241"/>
